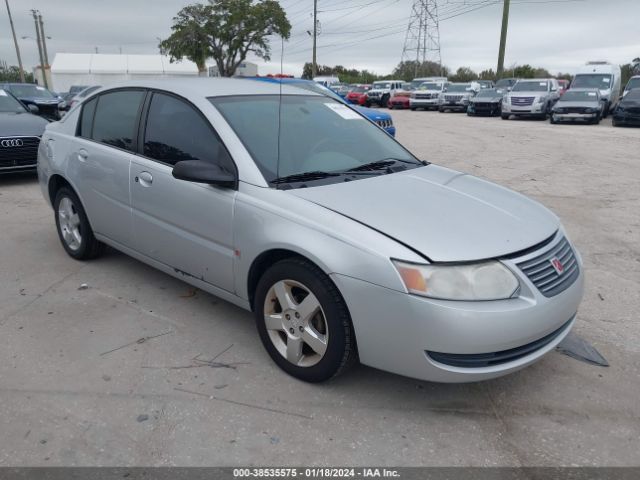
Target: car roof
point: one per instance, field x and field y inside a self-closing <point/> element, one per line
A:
<point x="213" y="87"/>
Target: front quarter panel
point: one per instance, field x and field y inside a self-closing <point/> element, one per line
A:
<point x="268" y="219"/>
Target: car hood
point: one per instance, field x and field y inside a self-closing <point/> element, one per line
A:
<point x="486" y="99"/>
<point x="371" y="114"/>
<point x="528" y="94"/>
<point x="445" y="215"/>
<point x="561" y="104"/>
<point x="18" y="124"/>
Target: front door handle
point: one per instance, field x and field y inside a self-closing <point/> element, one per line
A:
<point x="145" y="179"/>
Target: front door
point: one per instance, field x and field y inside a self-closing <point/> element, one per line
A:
<point x="186" y="226"/>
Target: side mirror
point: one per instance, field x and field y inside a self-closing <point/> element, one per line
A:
<point x="200" y="171"/>
<point x="33" y="108"/>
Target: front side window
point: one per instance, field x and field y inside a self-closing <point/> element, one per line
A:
<point x="116" y="118"/>
<point x="175" y="131"/>
<point x="316" y="134"/>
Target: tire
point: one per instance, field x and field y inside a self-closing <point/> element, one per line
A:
<point x="413" y="109"/>
<point x="384" y="101"/>
<point x="552" y="120"/>
<point x="605" y="111"/>
<point x="469" y="114"/>
<point x="291" y="279"/>
<point x="504" y="116"/>
<point x="73" y="226"/>
<point x="441" y="110"/>
<point x="390" y="106"/>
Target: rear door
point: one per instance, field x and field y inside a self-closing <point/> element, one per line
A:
<point x="186" y="226"/>
<point x="104" y="146"/>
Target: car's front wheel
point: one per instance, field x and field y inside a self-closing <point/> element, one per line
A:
<point x="303" y="321"/>
<point x="73" y="226"/>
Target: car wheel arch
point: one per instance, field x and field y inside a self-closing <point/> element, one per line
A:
<point x="56" y="182"/>
<point x="268" y="258"/>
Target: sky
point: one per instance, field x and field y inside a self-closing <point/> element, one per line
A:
<point x="559" y="35"/>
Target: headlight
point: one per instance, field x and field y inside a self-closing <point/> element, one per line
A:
<point x="480" y="281"/>
<point x="541" y="100"/>
<point x="505" y="101"/>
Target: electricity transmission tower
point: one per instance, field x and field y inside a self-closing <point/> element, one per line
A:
<point x="422" y="41"/>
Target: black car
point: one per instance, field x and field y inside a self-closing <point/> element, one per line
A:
<point x="486" y="102"/>
<point x="20" y="132"/>
<point x="627" y="113"/>
<point x="49" y="105"/>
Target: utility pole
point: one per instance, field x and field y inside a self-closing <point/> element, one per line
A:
<point x="15" y="41"/>
<point x="314" y="66"/>
<point x="44" y="40"/>
<point x="42" y="67"/>
<point x="503" y="38"/>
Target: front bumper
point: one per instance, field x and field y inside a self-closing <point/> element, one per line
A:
<point x="573" y="117"/>
<point x="627" y="119"/>
<point x="423" y="102"/>
<point x="454" y="106"/>
<point x="395" y="331"/>
<point x="534" y="109"/>
<point x="484" y="109"/>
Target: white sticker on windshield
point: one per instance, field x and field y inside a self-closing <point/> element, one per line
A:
<point x="3" y="93"/>
<point x="591" y="94"/>
<point x="39" y="88"/>
<point x="543" y="84"/>
<point x="344" y="111"/>
<point x="605" y="80"/>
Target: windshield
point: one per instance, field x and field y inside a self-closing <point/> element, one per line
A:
<point x="316" y="134"/>
<point x="8" y="104"/>
<point x="361" y="89"/>
<point x="505" y="82"/>
<point x="531" y="87"/>
<point x="633" y="83"/>
<point x="592" y="80"/>
<point x="488" y="94"/>
<point x="430" y="86"/>
<point x="27" y="90"/>
<point x="458" y="87"/>
<point x="381" y="84"/>
<point x="573" y="96"/>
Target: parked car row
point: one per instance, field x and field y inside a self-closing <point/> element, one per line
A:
<point x="593" y="95"/>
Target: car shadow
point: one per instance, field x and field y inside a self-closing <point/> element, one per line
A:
<point x="17" y="179"/>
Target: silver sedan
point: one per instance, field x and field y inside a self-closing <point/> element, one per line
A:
<point x="292" y="205"/>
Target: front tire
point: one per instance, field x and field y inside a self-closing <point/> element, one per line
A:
<point x="73" y="226"/>
<point x="303" y="321"/>
<point x="504" y="116"/>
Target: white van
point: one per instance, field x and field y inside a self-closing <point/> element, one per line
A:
<point x="326" y="81"/>
<point x="605" y="77"/>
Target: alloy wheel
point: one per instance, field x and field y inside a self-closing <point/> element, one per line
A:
<point x="296" y="323"/>
<point x="69" y="223"/>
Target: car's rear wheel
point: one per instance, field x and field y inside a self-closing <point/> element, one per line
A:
<point x="73" y="226"/>
<point x="384" y="102"/>
<point x="303" y="321"/>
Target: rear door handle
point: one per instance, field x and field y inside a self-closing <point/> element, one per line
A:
<point x="83" y="155"/>
<point x="145" y="179"/>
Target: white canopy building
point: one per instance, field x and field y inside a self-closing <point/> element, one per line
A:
<point x="70" y="69"/>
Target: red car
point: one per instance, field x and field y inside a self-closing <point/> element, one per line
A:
<point x="358" y="95"/>
<point x="399" y="100"/>
<point x="563" y="86"/>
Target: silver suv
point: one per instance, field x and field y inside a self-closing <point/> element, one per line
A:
<point x="456" y="96"/>
<point x="531" y="97"/>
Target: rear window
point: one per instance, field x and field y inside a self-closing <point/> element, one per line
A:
<point x="115" y="119"/>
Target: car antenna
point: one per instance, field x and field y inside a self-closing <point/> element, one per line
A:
<point x="280" y="105"/>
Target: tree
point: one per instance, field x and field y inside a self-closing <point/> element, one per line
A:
<point x="464" y="74"/>
<point x="410" y="69"/>
<point x="12" y="74"/>
<point x="488" y="75"/>
<point x="225" y="30"/>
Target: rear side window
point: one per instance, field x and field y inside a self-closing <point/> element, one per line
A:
<point x="86" y="120"/>
<point x="116" y="116"/>
<point x="176" y="131"/>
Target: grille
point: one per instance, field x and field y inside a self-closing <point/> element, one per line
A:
<point x="22" y="156"/>
<point x="522" y="101"/>
<point x="574" y="110"/>
<point x="426" y="96"/>
<point x="542" y="273"/>
<point x="384" y="123"/>
<point x="479" y="360"/>
<point x="453" y="98"/>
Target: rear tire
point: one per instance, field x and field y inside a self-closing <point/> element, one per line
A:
<point x="303" y="321"/>
<point x="73" y="226"/>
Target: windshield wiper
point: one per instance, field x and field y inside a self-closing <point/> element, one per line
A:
<point x="302" y="177"/>
<point x="383" y="165"/>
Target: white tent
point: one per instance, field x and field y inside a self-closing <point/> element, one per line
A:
<point x="102" y="69"/>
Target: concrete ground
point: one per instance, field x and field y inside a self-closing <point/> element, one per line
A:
<point x="70" y="396"/>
